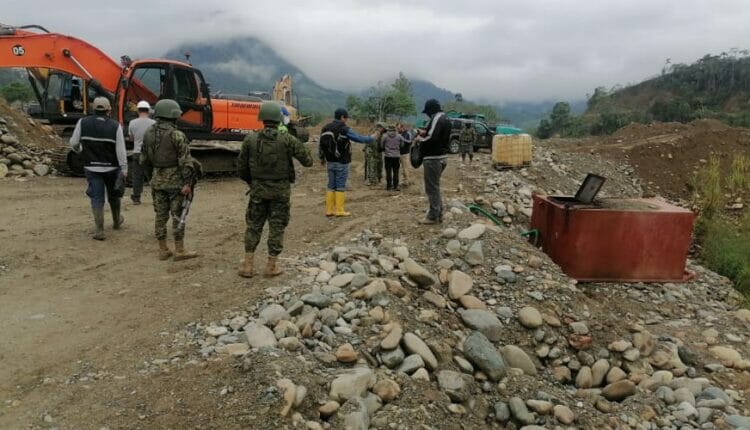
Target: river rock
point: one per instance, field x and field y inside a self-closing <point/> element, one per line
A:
<point x="435" y="299"/>
<point x="392" y="358"/>
<point x="415" y="345"/>
<point x="530" y="317"/>
<point x="473" y="232"/>
<point x="346" y="353"/>
<point x="519" y="411"/>
<point x="341" y="281"/>
<point x="459" y="284"/>
<point x="453" y="384"/>
<point x="584" y="379"/>
<point x="564" y="414"/>
<point x="259" y="336"/>
<point x="272" y="314"/>
<point x="393" y="339"/>
<point x="474" y="255"/>
<point x="619" y="390"/>
<point x="411" y="364"/>
<point x="352" y="384"/>
<point x="517" y="357"/>
<point x="480" y="352"/>
<point x="484" y="321"/>
<point x="471" y="302"/>
<point x="316" y="299"/>
<point x="599" y="371"/>
<point x="418" y="274"/>
<point x="386" y="389"/>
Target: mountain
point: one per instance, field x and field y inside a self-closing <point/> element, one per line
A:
<point x="424" y="90"/>
<point x="239" y="66"/>
<point x="527" y="115"/>
<point x="715" y="86"/>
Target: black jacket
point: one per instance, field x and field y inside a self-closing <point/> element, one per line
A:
<point x="335" y="147"/>
<point x="437" y="141"/>
<point x="99" y="139"/>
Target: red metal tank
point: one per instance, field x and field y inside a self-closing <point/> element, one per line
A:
<point x="626" y="240"/>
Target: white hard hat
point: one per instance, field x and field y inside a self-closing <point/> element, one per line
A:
<point x="143" y="104"/>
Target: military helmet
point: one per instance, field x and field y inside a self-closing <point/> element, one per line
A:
<point x="167" y="108"/>
<point x="270" y="111"/>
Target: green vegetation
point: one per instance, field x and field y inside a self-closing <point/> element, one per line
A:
<point x="708" y="195"/>
<point x="17" y="91"/>
<point x="739" y="175"/>
<point x="716" y="86"/>
<point x="725" y="242"/>
<point x="726" y="249"/>
<point x="384" y="101"/>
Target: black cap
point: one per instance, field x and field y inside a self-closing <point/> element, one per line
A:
<point x="340" y="113"/>
<point x="431" y="107"/>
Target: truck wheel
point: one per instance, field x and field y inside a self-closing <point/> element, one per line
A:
<point x="454" y="146"/>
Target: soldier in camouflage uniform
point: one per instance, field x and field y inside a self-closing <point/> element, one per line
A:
<point x="265" y="163"/>
<point x="166" y="159"/>
<point x="374" y="157"/>
<point x="466" y="139"/>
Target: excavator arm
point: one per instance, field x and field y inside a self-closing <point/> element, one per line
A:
<point x="22" y="48"/>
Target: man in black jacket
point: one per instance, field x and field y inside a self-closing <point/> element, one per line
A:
<point x="335" y="150"/>
<point x="435" y="144"/>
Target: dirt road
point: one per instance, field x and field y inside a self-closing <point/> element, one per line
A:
<point x="80" y="318"/>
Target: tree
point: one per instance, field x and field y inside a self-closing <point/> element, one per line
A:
<point x="383" y="101"/>
<point x="544" y="131"/>
<point x="16" y="91"/>
<point x="401" y="98"/>
<point x="560" y="116"/>
<point x="355" y="106"/>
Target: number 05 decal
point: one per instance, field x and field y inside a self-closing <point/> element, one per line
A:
<point x="18" y="50"/>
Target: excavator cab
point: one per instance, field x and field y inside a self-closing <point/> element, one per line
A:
<point x="155" y="80"/>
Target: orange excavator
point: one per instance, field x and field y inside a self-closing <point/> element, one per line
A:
<point x="68" y="73"/>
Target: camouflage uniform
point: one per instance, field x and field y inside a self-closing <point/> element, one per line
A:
<point x="374" y="161"/>
<point x="466" y="139"/>
<point x="269" y="199"/>
<point x="167" y="182"/>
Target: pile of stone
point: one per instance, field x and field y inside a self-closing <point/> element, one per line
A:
<point x="486" y="331"/>
<point x="19" y="160"/>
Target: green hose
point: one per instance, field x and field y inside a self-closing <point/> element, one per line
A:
<point x="533" y="232"/>
<point x="478" y="210"/>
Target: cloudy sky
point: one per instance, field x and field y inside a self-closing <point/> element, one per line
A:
<point x="492" y="49"/>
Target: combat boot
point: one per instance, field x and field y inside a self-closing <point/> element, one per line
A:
<point x="340" y="201"/>
<point x="330" y="203"/>
<point x="98" y="223"/>
<point x="117" y="219"/>
<point x="164" y="251"/>
<point x="180" y="253"/>
<point x="247" y="270"/>
<point x="272" y="267"/>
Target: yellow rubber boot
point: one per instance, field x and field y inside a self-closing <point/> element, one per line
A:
<point x="330" y="203"/>
<point x="340" y="201"/>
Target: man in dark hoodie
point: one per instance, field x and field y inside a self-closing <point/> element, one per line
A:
<point x="335" y="150"/>
<point x="435" y="144"/>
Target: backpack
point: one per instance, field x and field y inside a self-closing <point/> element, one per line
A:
<point x="328" y="143"/>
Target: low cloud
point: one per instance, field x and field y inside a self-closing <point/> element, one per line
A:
<point x="495" y="50"/>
